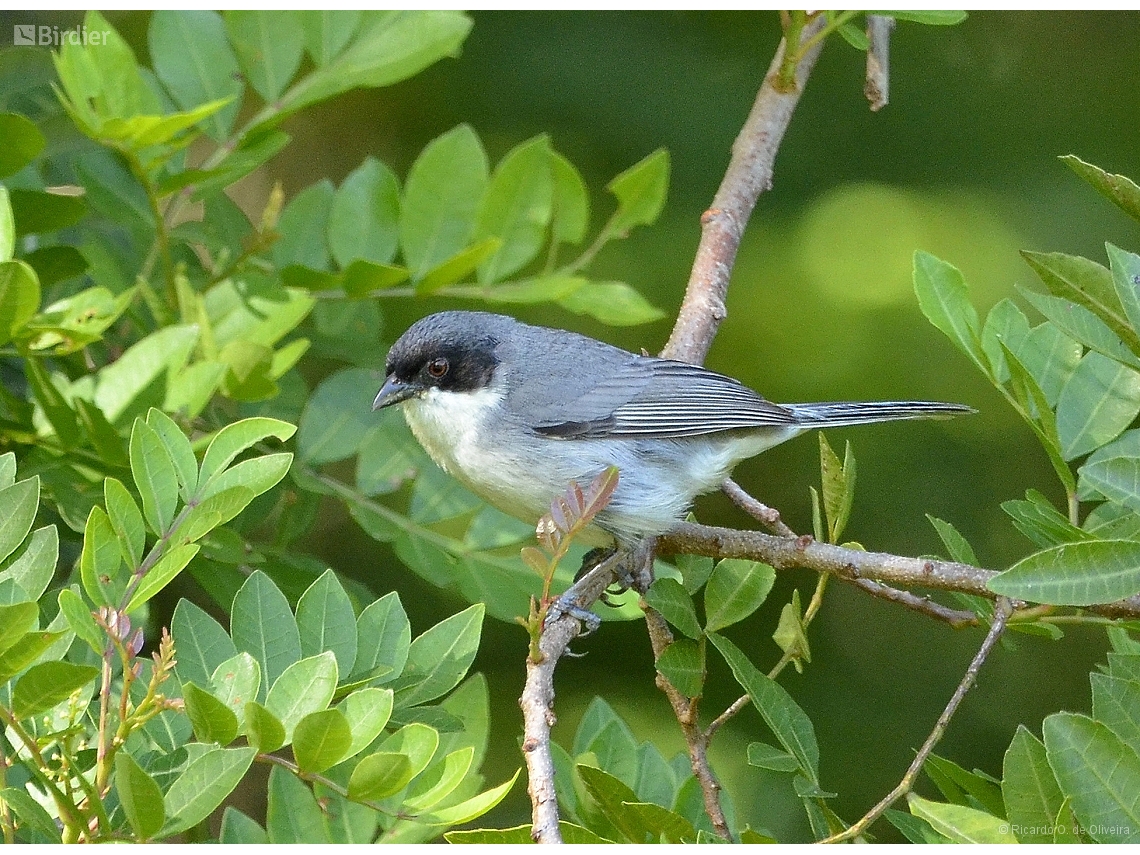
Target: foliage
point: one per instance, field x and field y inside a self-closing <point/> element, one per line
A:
<point x="152" y="341"/>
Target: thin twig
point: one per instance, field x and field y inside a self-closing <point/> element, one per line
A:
<point x="957" y="618"/>
<point x="878" y="85"/>
<point x="748" y="175"/>
<point x="767" y="516"/>
<point x="1002" y="612"/>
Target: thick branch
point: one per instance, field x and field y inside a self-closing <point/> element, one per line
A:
<point x="785" y="553"/>
<point x="748" y="175"/>
<point x="537" y="704"/>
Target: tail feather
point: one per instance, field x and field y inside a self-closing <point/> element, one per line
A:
<point x="860" y="413"/>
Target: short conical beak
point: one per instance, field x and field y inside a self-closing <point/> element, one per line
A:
<point x="392" y="392"/>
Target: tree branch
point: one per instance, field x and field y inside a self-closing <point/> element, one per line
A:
<point x="784" y="553"/>
<point x="877" y="87"/>
<point x="537" y="704"/>
<point x="748" y="175"/>
<point x="1001" y="615"/>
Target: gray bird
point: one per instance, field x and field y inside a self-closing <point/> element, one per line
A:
<point x="516" y="412"/>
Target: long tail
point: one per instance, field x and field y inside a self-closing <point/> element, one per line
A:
<point x="860" y="413"/>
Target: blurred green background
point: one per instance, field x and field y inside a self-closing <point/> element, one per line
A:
<point x="962" y="163"/>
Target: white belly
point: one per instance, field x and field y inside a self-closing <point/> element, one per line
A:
<point x="465" y="434"/>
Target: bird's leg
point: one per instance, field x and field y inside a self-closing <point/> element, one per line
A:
<point x="588" y="587"/>
<point x="628" y="568"/>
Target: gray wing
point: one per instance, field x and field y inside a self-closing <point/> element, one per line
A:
<point x="657" y="398"/>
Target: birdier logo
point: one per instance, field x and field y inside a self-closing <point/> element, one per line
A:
<point x="45" y="36"/>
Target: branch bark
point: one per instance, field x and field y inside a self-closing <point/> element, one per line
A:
<point x="748" y="175"/>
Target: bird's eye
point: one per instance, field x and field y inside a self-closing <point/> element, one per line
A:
<point x="437" y="368"/>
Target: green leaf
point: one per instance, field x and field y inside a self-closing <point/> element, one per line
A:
<point x="438" y="660"/>
<point x="326" y="621"/>
<point x="364" y="220"/>
<point x="838" y="483"/>
<point x="35" y="212"/>
<point x="614" y="798"/>
<point x="437" y="496"/>
<point x="1100" y="399"/>
<point x="306" y="686"/>
<point x="201" y="643"/>
<point x="19" y="293"/>
<point x="766" y="757"/>
<point x="328" y="31"/>
<point x="138" y="377"/>
<point x="31" y="813"/>
<point x="256" y="475"/>
<point x="32" y="565"/>
<point x="101" y="562"/>
<point x="379" y="775"/>
<point x="1076" y="574"/>
<point x="956" y="545"/>
<point x="1125" y="268"/>
<point x="212" y="512"/>
<point x="366" y="711"/>
<point x="179" y="449"/>
<point x="613" y="303"/>
<point x="213" y="720"/>
<point x="162" y="573"/>
<point x="682" y="663"/>
<point x="384" y="637"/>
<point x="292" y="814"/>
<point x="155" y="476"/>
<point x="18" y="506"/>
<point x="960" y="823"/>
<point x="337" y="417"/>
<point x="303" y="227"/>
<point x="1030" y="398"/>
<point x="263" y="625"/>
<point x="268" y="47"/>
<point x="321" y="739"/>
<point x="265" y="731"/>
<point x="944" y="298"/>
<point x="448" y="775"/>
<point x="640" y="191"/>
<point x="418" y="742"/>
<point x="853" y="36"/>
<point x="80" y="621"/>
<point x="47" y="684"/>
<point x="735" y="590"/>
<point x="23" y="144"/>
<point x="1080" y="324"/>
<point x="1005" y="324"/>
<point x="670" y="598"/>
<point x="235" y="438"/>
<point x="204" y="785"/>
<point x="1116" y="704"/>
<point x="390" y="47"/>
<point x="1085" y="283"/>
<point x="472" y="808"/>
<point x="1038" y="520"/>
<point x="931" y="17"/>
<point x="791" y="726"/>
<point x="441" y="198"/>
<point x="1119" y="189"/>
<point x="16" y="620"/>
<point x="235" y="682"/>
<point x="962" y="787"/>
<point x="1114" y="471"/>
<point x="517" y="208"/>
<point x="458" y="266"/>
<point x="239" y="828"/>
<point x="26" y="651"/>
<point x="194" y="61"/>
<point x="571" y="202"/>
<point x="7" y="229"/>
<point x="1099" y="773"/>
<point x="126" y="520"/>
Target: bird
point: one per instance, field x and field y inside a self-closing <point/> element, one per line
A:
<point x="516" y="413"/>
